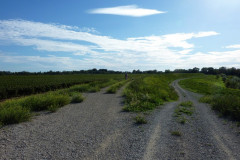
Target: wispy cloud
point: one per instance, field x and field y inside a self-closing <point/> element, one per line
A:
<point x="148" y="52"/>
<point x="233" y="46"/>
<point x="130" y="10"/>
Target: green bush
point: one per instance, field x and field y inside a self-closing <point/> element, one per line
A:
<point x="206" y="99"/>
<point x="227" y="105"/>
<point x="43" y="101"/>
<point x="14" y="114"/>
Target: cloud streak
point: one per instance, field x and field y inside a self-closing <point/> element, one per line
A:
<point x="236" y="46"/>
<point x="130" y="10"/>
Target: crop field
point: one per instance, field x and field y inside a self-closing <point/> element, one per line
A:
<point x="17" y="110"/>
<point x="19" y="85"/>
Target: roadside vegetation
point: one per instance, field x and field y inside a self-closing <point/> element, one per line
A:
<point x="20" y="109"/>
<point x="113" y="88"/>
<point x="183" y="111"/>
<point x="147" y="92"/>
<point x="215" y="88"/>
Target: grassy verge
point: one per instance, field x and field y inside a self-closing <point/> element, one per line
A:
<point x="20" y="109"/>
<point x="148" y="92"/>
<point x="184" y="110"/>
<point x="224" y="100"/>
<point x="113" y="88"/>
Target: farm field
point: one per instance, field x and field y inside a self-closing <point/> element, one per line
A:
<point x="19" y="85"/>
<point x="149" y="116"/>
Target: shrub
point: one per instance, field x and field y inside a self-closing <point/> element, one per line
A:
<point x="234" y="83"/>
<point x="227" y="105"/>
<point x="43" y="101"/>
<point x="14" y="114"/>
<point x="206" y="99"/>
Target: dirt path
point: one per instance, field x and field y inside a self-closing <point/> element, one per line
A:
<point x="76" y="131"/>
<point x="97" y="129"/>
<point x="205" y="136"/>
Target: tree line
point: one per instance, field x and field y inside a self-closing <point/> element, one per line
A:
<point x="206" y="70"/>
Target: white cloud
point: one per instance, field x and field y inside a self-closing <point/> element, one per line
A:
<point x="206" y="34"/>
<point x="130" y="10"/>
<point x="147" y="52"/>
<point x="236" y="46"/>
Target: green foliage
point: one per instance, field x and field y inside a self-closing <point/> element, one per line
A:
<point x="227" y="105"/>
<point x="225" y="100"/>
<point x="186" y="104"/>
<point x="206" y="99"/>
<point x="53" y="108"/>
<point x="182" y="110"/>
<point x="233" y="82"/>
<point x="77" y="98"/>
<point x="113" y="88"/>
<point x="204" y="84"/>
<point x="43" y="101"/>
<point x="14" y="114"/>
<point x="140" y="120"/>
<point x="176" y="133"/>
<point x="147" y="92"/>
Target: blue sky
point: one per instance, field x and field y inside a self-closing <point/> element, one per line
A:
<point x="42" y="35"/>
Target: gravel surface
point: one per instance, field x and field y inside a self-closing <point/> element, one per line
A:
<point x="98" y="129"/>
<point x="204" y="136"/>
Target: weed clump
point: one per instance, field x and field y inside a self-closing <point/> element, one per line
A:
<point x="116" y="86"/>
<point x="176" y="133"/>
<point x="77" y="98"/>
<point x="140" y="119"/>
<point x="182" y="110"/>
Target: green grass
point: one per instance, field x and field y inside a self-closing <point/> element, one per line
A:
<point x="140" y="119"/>
<point x="205" y="84"/>
<point x="183" y="110"/>
<point x="113" y="88"/>
<point x="149" y="91"/>
<point x="53" y="108"/>
<point x="77" y="98"/>
<point x="14" y="114"/>
<point x="176" y="133"/>
<point x="224" y="100"/>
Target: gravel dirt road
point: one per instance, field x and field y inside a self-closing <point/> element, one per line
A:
<point x="98" y="129"/>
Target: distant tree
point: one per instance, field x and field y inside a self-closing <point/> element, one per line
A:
<point x="167" y="71"/>
<point x="195" y="70"/>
